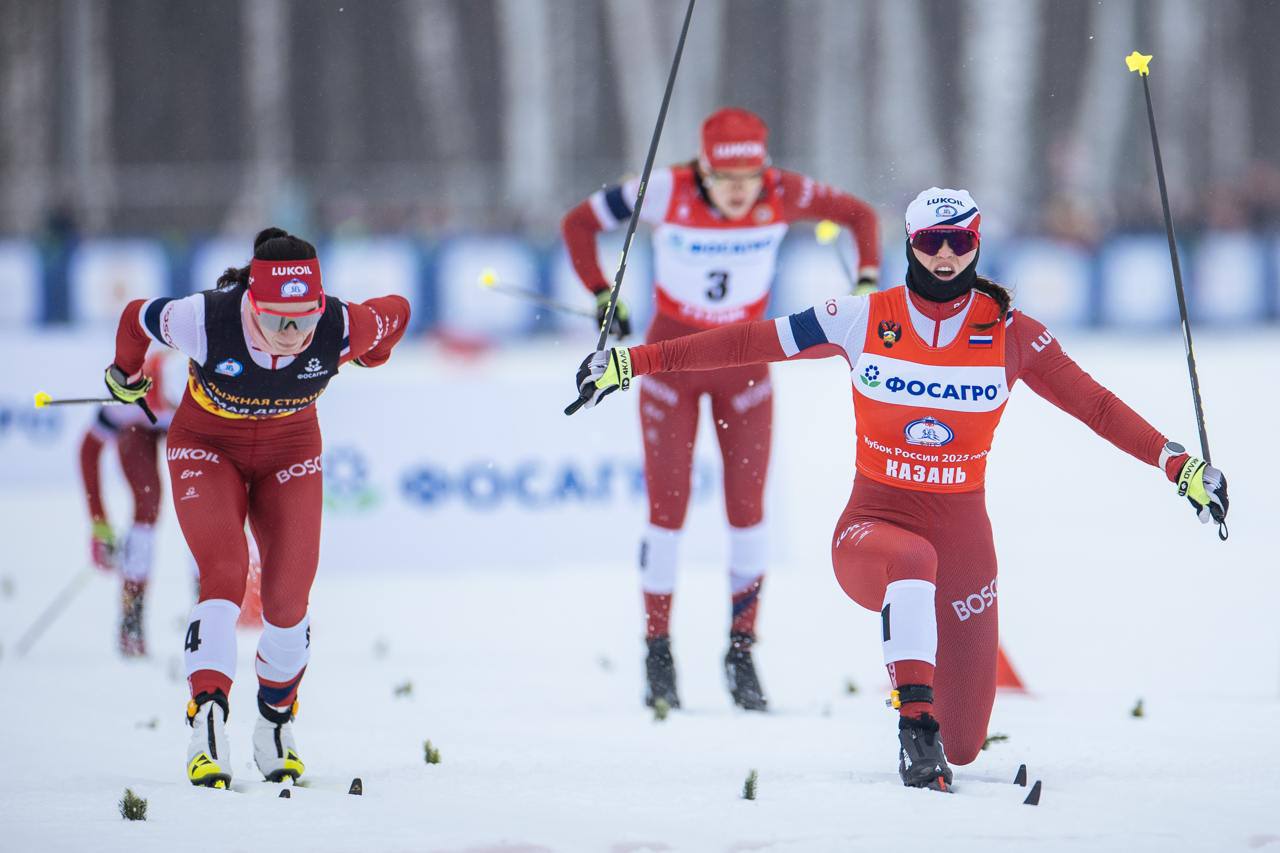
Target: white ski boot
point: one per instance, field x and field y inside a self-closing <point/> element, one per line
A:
<point x="208" y="753"/>
<point x="274" y="749"/>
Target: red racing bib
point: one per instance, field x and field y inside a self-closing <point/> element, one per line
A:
<point x="926" y="416"/>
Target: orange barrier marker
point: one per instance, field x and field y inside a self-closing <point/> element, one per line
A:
<point x="1006" y="677"/>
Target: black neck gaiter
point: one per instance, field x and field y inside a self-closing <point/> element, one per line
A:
<point x="929" y="286"/>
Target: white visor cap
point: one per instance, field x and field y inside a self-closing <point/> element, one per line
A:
<point x="938" y="207"/>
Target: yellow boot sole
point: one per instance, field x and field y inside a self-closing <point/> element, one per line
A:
<point x="206" y="773"/>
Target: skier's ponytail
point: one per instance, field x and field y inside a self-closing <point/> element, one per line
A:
<point x="999" y="293"/>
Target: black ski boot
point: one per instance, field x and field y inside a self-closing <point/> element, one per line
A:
<point x="922" y="762"/>
<point x="660" y="672"/>
<point x="740" y="674"/>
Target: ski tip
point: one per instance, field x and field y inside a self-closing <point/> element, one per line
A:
<point x="357" y="787"/>
<point x="1020" y="778"/>
<point x="1033" y="798"/>
<point x="285" y="794"/>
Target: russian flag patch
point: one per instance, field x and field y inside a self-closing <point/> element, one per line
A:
<point x="980" y="340"/>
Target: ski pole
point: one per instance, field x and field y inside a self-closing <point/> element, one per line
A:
<point x="43" y="399"/>
<point x="489" y="280"/>
<point x="53" y="611"/>
<point x="635" y="211"/>
<point x="1141" y="65"/>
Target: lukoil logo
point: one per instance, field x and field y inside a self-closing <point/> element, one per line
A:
<point x="293" y="288"/>
<point x="195" y="454"/>
<point x="727" y="150"/>
<point x="929" y="432"/>
<point x="300" y="269"/>
<point x="229" y="367"/>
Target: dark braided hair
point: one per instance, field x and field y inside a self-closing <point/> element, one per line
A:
<point x="999" y="293"/>
<point x="271" y="244"/>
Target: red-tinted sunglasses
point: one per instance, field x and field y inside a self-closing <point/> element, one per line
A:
<point x="930" y="240"/>
<point x="278" y="321"/>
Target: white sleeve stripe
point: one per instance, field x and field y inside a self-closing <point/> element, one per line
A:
<point x="346" y="330"/>
<point x="200" y="351"/>
<point x="142" y="321"/>
<point x="785" y="337"/>
<point x="601" y="209"/>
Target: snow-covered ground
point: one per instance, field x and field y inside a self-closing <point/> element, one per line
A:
<point x="527" y="678"/>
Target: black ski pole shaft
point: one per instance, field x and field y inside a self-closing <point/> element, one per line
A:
<point x="1178" y="272"/>
<point x="1140" y="64"/>
<point x="635" y="211"/>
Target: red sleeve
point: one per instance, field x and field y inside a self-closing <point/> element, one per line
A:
<point x="805" y="198"/>
<point x="376" y="326"/>
<point x="1035" y="356"/>
<point x="728" y="346"/>
<point x="580" y="228"/>
<point x="131" y="339"/>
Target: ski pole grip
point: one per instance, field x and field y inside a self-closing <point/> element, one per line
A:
<point x="146" y="410"/>
<point x="575" y="405"/>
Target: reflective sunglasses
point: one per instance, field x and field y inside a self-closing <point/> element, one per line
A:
<point x="930" y="240"/>
<point x="279" y="321"/>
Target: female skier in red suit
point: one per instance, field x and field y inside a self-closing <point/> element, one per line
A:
<point x="245" y="441"/>
<point x="932" y="366"/>
<point x="717" y="224"/>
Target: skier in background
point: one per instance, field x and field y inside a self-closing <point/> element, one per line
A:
<point x="932" y="366"/>
<point x="137" y="441"/>
<point x="718" y="222"/>
<point x="245" y="442"/>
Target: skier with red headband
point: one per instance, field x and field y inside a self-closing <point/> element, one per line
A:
<point x="245" y="442"/>
<point x="932" y="364"/>
<point x="718" y="223"/>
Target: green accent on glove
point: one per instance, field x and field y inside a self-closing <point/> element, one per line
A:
<point x="103" y="533"/>
<point x="124" y="391"/>
<point x="1190" y="481"/>
<point x="621" y="325"/>
<point x="617" y="374"/>
<point x="621" y="312"/>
